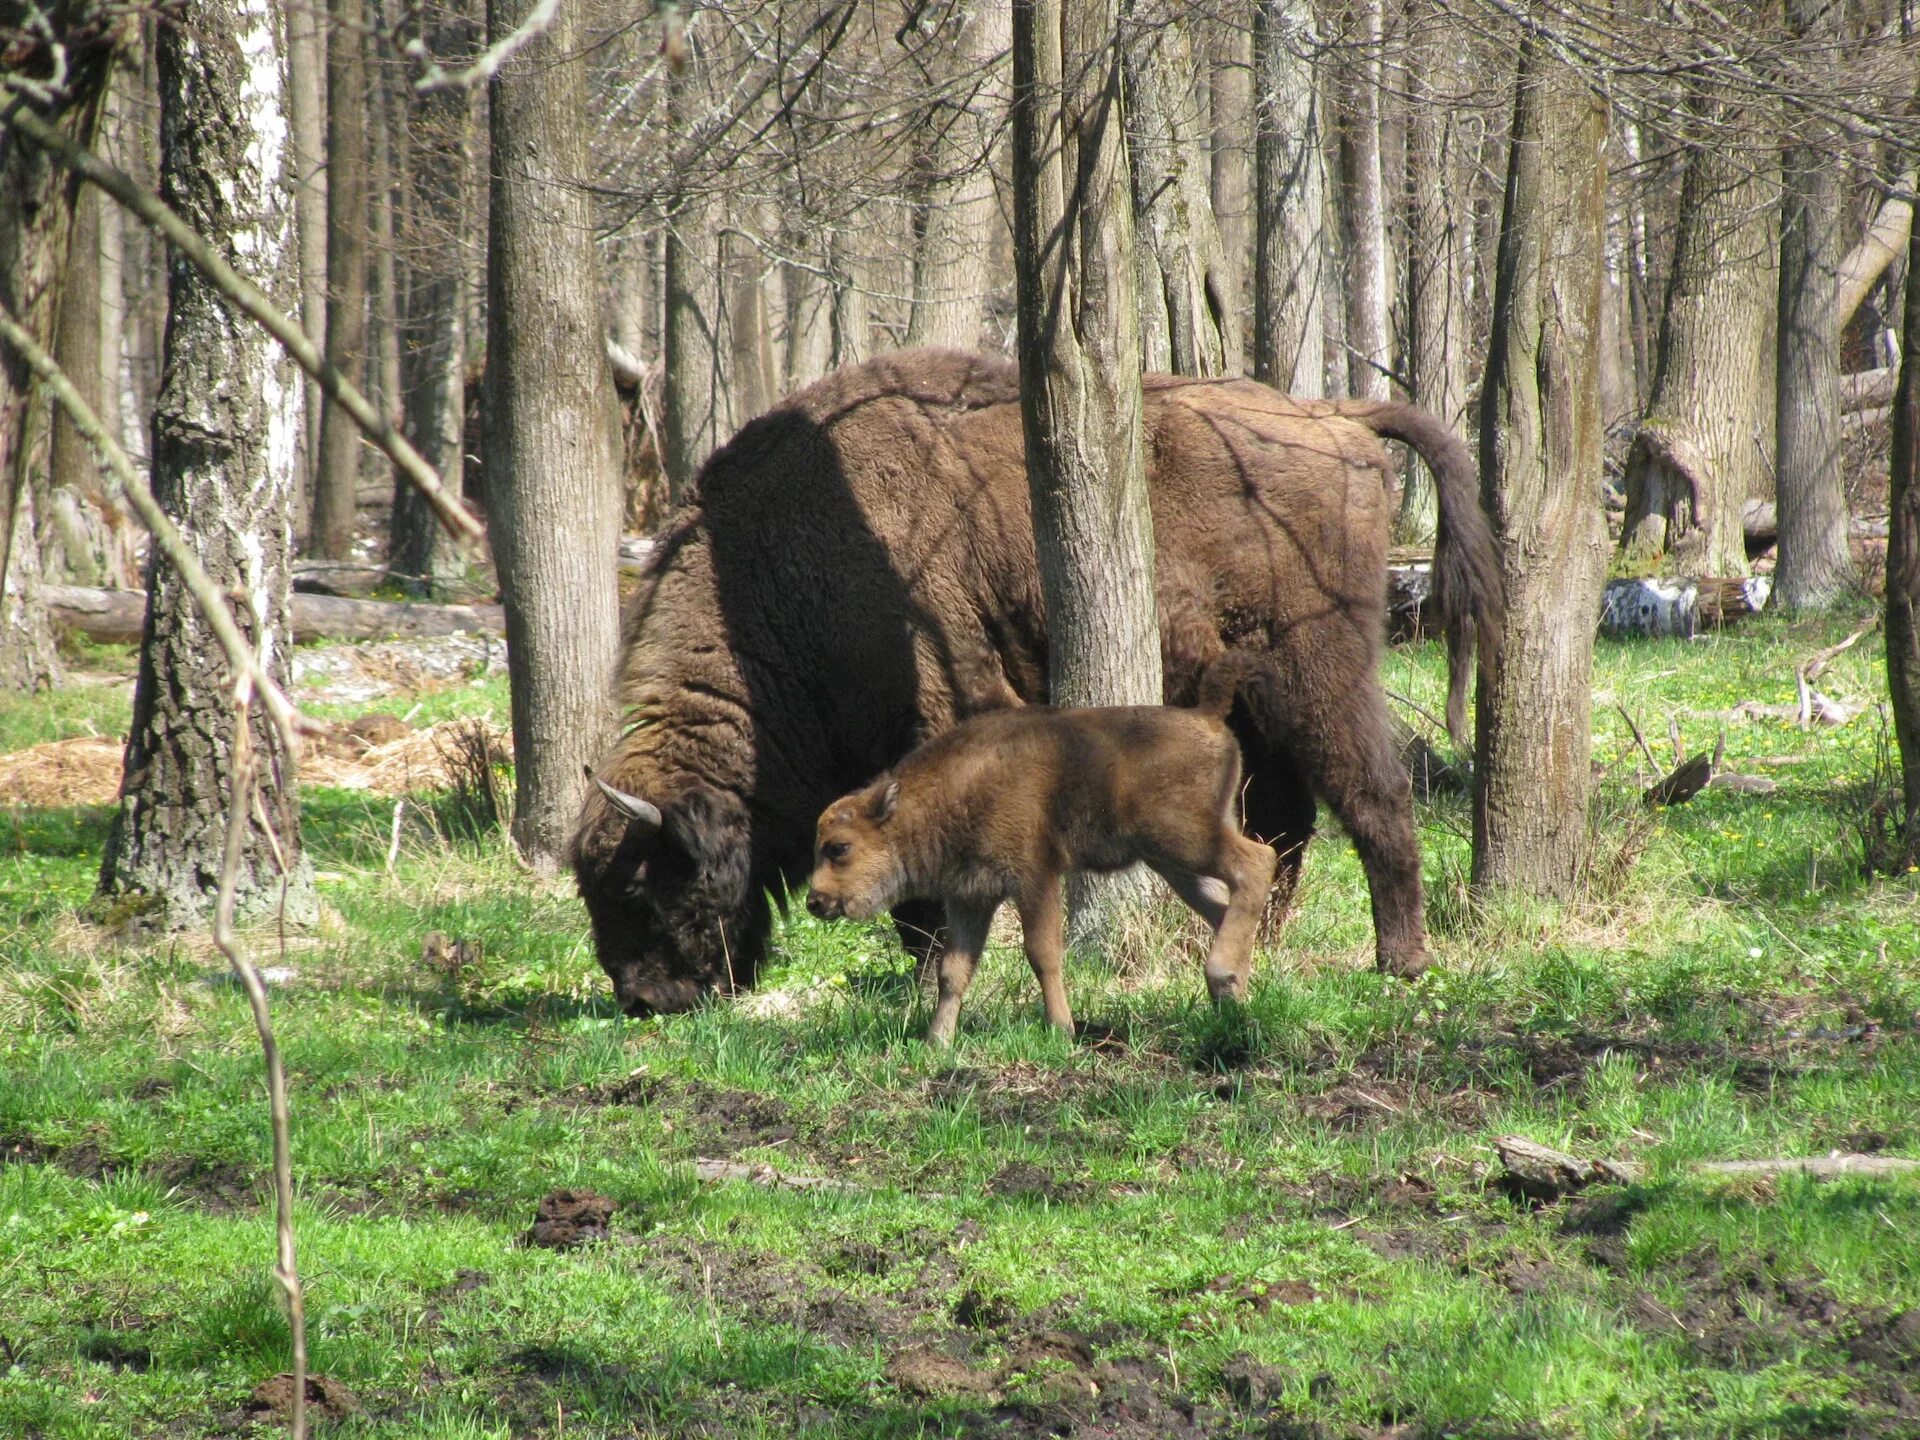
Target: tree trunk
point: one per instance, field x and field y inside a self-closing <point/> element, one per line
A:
<point x="1815" y="567"/>
<point x="385" y="302"/>
<point x="425" y="558"/>
<point x="1903" y="558"/>
<point x="224" y="436"/>
<point x="1369" y="342"/>
<point x="1080" y="396"/>
<point x="1231" y="103"/>
<point x="852" y="341"/>
<point x="337" y="478"/>
<point x="1438" y="184"/>
<point x="307" y="106"/>
<point x="745" y="378"/>
<point x="1703" y="447"/>
<point x="1186" y="293"/>
<point x="951" y="279"/>
<point x="37" y="203"/>
<point x="1289" y="261"/>
<point x="552" y="485"/>
<point x="1540" y="461"/>
<point x="693" y="393"/>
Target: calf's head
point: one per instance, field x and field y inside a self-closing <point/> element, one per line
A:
<point x="855" y="868"/>
<point x="669" y="888"/>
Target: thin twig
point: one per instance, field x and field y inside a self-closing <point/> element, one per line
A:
<point x="253" y="301"/>
<point x="433" y="77"/>
<point x="286" y="1269"/>
<point x="1639" y="739"/>
<point x="124" y="482"/>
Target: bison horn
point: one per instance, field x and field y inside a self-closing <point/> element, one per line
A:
<point x="631" y="806"/>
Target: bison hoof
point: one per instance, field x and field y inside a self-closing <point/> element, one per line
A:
<point x="1407" y="967"/>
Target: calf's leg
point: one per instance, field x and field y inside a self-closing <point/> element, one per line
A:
<point x="966" y="936"/>
<point x="1231" y="903"/>
<point x="1041" y="921"/>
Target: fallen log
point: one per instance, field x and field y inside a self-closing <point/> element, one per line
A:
<point x="116" y="617"/>
<point x="1653" y="606"/>
<point x="1542" y="1174"/>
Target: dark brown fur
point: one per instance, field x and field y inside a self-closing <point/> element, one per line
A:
<point x="855" y="573"/>
<point x="1001" y="806"/>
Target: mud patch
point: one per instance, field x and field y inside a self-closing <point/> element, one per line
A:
<point x="1024" y="1180"/>
<point x="927" y="1373"/>
<point x="327" y="1399"/>
<point x="567" y="1219"/>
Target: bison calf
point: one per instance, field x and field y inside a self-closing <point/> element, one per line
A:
<point x="1001" y="806"/>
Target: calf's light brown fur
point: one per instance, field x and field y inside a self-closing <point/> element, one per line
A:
<point x="1002" y="806"/>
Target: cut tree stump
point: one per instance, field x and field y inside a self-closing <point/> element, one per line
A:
<point x="115" y="617"/>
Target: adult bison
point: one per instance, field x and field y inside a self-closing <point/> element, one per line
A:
<point x="854" y="572"/>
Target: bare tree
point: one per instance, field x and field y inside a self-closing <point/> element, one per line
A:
<point x="951" y="278"/>
<point x="1080" y="393"/>
<point x="1540" y="459"/>
<point x="336" y="483"/>
<point x="551" y="481"/>
<point x="1903" y="557"/>
<point x="1289" y="285"/>
<point x="224" y="438"/>
<point x="1189" y="310"/>
<point x="1815" y="567"/>
<point x="1369" y="337"/>
<point x="307" y="109"/>
<point x="692" y="418"/>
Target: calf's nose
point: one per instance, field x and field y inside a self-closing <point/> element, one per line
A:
<point x="817" y="905"/>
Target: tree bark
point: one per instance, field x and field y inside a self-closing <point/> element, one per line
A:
<point x="38" y="198"/>
<point x="1231" y="103"/>
<point x="1290" y="274"/>
<point x="1814" y="571"/>
<point x="552" y="483"/>
<point x="1438" y="185"/>
<point x="1540" y="458"/>
<point x="1903" y="558"/>
<point x="692" y="416"/>
<point x="1863" y="266"/>
<point x="951" y="276"/>
<point x="421" y="554"/>
<point x="1703" y="446"/>
<point x="1080" y="397"/>
<point x="337" y="478"/>
<point x="307" y="108"/>
<point x="1189" y="320"/>
<point x="1369" y="340"/>
<point x="224" y="438"/>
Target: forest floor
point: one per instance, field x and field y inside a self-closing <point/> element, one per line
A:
<point x="1287" y="1221"/>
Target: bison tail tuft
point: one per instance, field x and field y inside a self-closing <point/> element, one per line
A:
<point x="1468" y="586"/>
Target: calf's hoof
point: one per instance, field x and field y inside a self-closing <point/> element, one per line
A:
<point x="1227" y="989"/>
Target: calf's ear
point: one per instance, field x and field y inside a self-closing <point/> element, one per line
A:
<point x="884" y="803"/>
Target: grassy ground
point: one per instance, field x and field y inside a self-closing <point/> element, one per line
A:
<point x="1277" y="1223"/>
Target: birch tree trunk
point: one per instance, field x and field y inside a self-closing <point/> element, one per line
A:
<point x="1369" y="341"/>
<point x="951" y="274"/>
<point x="1231" y="104"/>
<point x="1815" y="567"/>
<point x="1703" y="446"/>
<point x="225" y="433"/>
<point x="1189" y="308"/>
<point x="1080" y="397"/>
<point x="552" y="483"/>
<point x="1540" y="462"/>
<point x="1289" y="262"/>
<point x="336" y="482"/>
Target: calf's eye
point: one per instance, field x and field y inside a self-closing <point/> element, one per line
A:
<point x="834" y="850"/>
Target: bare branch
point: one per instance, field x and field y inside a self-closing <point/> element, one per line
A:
<point x="433" y="77"/>
<point x="254" y="302"/>
<point x="286" y="1270"/>
<point x="124" y="482"/>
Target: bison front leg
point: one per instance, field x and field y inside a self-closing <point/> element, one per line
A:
<point x="1232" y="905"/>
<point x="1042" y="922"/>
<point x="967" y="927"/>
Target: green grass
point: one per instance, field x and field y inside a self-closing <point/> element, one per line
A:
<point x="1279" y="1219"/>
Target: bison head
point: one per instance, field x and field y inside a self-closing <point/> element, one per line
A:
<point x="856" y="870"/>
<point x="676" y="915"/>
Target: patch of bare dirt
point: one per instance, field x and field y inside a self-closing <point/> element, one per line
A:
<point x="327" y="1399"/>
<point x="1024" y="1180"/>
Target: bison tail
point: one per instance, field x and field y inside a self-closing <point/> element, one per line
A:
<point x="1466" y="562"/>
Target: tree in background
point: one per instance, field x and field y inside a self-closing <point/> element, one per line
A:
<point x="1080" y="396"/>
<point x="552" y="489"/>
<point x="1291" y="280"/>
<point x="225" y="435"/>
<point x="1540" y="466"/>
<point x="1903" y="559"/>
<point x="336" y="483"/>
